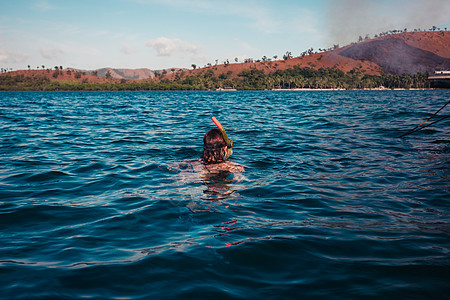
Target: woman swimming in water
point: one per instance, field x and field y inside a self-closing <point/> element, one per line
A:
<point x="220" y="176"/>
<point x="217" y="147"/>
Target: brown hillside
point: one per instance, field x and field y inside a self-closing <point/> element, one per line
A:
<point x="331" y="59"/>
<point x="63" y="75"/>
<point x="436" y="42"/>
<point x="408" y="52"/>
<point x="328" y="59"/>
<point x="401" y="53"/>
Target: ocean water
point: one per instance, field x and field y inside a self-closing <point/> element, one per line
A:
<point x="332" y="204"/>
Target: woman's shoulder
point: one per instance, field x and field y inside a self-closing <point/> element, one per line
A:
<point x="198" y="166"/>
<point x="225" y="166"/>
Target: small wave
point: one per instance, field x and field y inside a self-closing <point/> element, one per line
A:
<point x="89" y="168"/>
<point x="47" y="176"/>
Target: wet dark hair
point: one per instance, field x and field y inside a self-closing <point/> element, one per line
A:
<point x="213" y="147"/>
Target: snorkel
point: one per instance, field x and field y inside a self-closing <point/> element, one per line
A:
<point x="228" y="142"/>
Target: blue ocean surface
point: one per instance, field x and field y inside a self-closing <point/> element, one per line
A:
<point x="332" y="204"/>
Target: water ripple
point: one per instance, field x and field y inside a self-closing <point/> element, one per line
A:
<point x="331" y="204"/>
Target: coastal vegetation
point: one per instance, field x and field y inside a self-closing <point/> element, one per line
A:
<point x="253" y="79"/>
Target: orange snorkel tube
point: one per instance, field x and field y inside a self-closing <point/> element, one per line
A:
<point x="228" y="142"/>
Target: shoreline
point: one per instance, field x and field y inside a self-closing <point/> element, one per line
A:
<point x="274" y="90"/>
<point x="366" y="89"/>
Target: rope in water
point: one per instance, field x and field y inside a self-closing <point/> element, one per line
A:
<point x="418" y="127"/>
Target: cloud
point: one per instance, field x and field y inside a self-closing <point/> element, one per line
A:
<point x="166" y="47"/>
<point x="51" y="53"/>
<point x="8" y="56"/>
<point x="128" y="50"/>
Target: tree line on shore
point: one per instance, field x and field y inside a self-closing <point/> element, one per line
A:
<point x="293" y="78"/>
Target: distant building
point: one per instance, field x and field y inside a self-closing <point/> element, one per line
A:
<point x="442" y="72"/>
<point x="440" y="79"/>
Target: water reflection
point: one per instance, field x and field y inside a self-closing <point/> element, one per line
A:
<point x="218" y="185"/>
<point x="204" y="185"/>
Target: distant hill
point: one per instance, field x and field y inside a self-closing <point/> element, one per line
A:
<point x="130" y="74"/>
<point x="94" y="76"/>
<point x="60" y="75"/>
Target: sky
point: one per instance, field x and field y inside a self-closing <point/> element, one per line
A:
<point x="158" y="34"/>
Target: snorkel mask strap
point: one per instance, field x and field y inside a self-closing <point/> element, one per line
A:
<point x="228" y="142"/>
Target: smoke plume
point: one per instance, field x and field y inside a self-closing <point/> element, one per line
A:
<point x="349" y="19"/>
